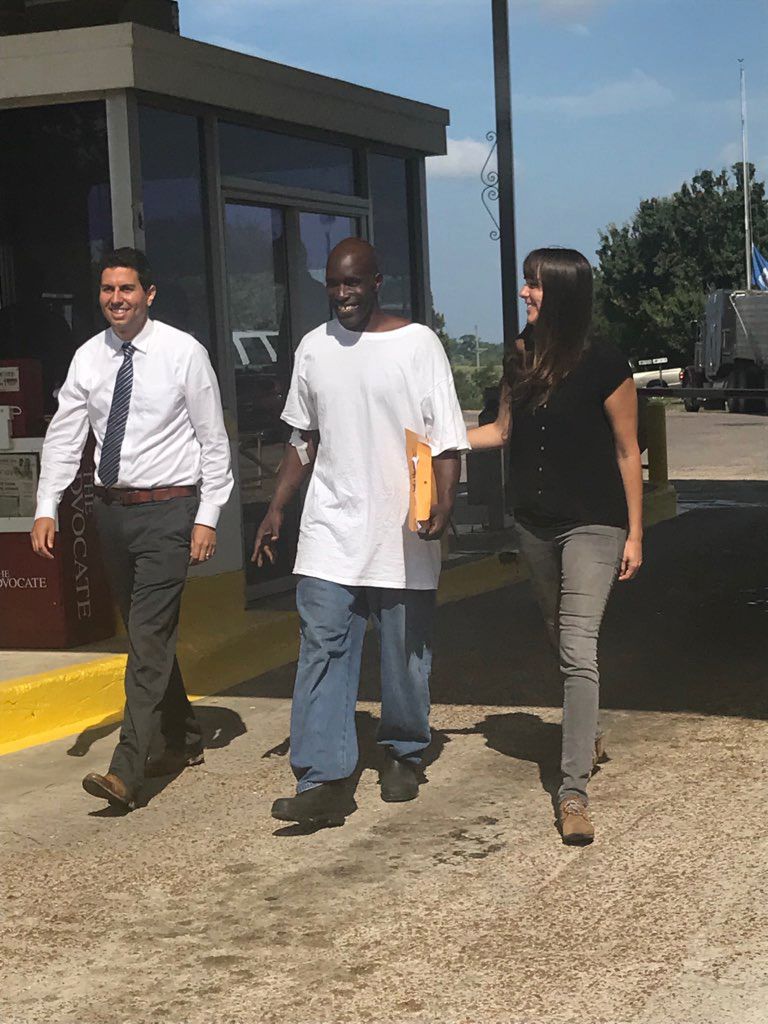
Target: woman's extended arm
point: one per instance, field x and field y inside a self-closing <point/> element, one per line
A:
<point x="621" y="410"/>
<point x="496" y="434"/>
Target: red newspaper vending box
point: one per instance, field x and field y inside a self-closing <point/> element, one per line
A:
<point x="48" y="604"/>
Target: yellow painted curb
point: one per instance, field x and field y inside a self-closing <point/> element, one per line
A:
<point x="40" y="708"/>
<point x="659" y="503"/>
<point x="479" y="577"/>
<point x="221" y="644"/>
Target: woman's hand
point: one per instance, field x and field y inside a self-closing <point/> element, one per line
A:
<point x="632" y="559"/>
<point x="496" y="434"/>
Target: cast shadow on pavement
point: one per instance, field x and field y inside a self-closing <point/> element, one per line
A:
<point x="150" y="788"/>
<point x="524" y="737"/>
<point x="220" y="727"/>
<point x="370" y="757"/>
<point x="690" y="634"/>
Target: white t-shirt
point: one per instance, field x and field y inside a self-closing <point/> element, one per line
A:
<point x="361" y="391"/>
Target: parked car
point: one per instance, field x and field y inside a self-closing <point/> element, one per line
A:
<point x="261" y="384"/>
<point x="662" y="378"/>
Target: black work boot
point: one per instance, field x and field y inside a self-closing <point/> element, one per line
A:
<point x="326" y="804"/>
<point x="399" y="780"/>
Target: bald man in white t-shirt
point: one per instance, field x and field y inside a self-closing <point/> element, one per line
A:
<point x="358" y="382"/>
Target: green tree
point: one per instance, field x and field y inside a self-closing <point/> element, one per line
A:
<point x="491" y="355"/>
<point x="655" y="271"/>
<point x="448" y="343"/>
<point x="470" y="382"/>
<point x="469" y="394"/>
<point x="466" y="347"/>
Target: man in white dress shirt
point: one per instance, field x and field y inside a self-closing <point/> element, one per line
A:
<point x="357" y="383"/>
<point x="150" y="396"/>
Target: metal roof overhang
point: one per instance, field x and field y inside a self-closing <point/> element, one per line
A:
<point x="81" y="63"/>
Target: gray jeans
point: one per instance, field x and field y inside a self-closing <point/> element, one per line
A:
<point x="572" y="572"/>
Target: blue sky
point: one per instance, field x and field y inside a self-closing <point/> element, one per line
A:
<point x="614" y="101"/>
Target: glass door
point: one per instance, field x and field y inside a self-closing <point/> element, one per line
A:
<point x="318" y="233"/>
<point x="275" y="261"/>
<point x="257" y="271"/>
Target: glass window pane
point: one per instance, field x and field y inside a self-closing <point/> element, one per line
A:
<point x="388" y="185"/>
<point x="55" y="225"/>
<point x="318" y="234"/>
<point x="173" y="219"/>
<point x="285" y="160"/>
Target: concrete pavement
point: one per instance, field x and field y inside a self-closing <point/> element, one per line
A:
<point x="463" y="906"/>
<point x="716" y="445"/>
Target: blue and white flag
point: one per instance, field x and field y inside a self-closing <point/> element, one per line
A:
<point x="759" y="269"/>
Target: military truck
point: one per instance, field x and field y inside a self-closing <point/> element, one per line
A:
<point x="731" y="350"/>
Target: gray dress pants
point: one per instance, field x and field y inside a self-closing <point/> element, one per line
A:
<point x="146" y="553"/>
<point x="572" y="572"/>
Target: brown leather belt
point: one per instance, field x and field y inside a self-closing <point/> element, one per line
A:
<point x="126" y="496"/>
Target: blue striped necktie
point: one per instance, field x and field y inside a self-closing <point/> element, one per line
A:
<point x="109" y="464"/>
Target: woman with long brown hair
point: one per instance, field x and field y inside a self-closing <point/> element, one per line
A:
<point x="569" y="414"/>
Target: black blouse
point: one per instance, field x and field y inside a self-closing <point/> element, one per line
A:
<point x="563" y="467"/>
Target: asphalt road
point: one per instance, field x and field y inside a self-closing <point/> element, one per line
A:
<point x="463" y="907"/>
<point x="713" y="445"/>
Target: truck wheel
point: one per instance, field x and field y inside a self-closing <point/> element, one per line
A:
<point x="756" y="405"/>
<point x="738" y="405"/>
<point x="688" y="381"/>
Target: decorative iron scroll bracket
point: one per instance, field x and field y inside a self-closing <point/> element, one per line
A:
<point x="490" y="180"/>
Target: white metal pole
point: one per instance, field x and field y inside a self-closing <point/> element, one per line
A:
<point x="745" y="180"/>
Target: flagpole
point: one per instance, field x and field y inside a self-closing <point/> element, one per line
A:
<point x="745" y="180"/>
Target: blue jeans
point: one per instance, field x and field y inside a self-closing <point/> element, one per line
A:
<point x="333" y="624"/>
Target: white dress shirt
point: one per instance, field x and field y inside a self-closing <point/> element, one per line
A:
<point x="175" y="433"/>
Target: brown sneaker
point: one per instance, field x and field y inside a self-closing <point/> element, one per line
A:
<point x="575" y="824"/>
<point x="109" y="787"/>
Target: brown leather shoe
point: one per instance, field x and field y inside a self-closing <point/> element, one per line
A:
<point x="576" y="825"/>
<point x="171" y="762"/>
<point x="109" y="787"/>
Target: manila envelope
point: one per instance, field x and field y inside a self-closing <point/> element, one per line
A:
<point x="423" y="492"/>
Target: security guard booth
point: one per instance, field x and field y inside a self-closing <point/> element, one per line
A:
<point x="235" y="174"/>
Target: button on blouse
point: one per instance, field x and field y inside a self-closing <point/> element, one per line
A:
<point x="563" y="466"/>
